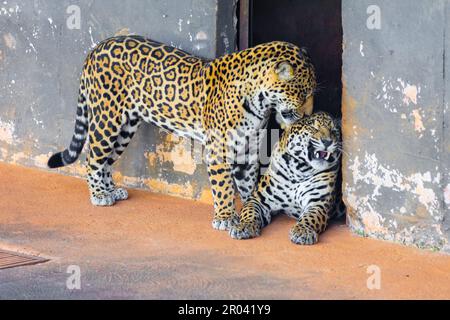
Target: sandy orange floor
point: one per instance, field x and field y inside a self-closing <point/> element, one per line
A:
<point x="155" y="246"/>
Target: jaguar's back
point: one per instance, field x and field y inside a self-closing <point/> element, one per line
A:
<point x="129" y="74"/>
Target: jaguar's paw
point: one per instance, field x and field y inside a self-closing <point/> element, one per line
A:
<point x="245" y="230"/>
<point x="102" y="199"/>
<point x="303" y="236"/>
<point x="119" y="194"/>
<point x="221" y="224"/>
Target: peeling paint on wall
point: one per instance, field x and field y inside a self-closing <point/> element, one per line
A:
<point x="395" y="167"/>
<point x="122" y="32"/>
<point x="447" y="195"/>
<point x="371" y="172"/>
<point x="410" y="92"/>
<point x="7" y="132"/>
<point x="10" y="41"/>
<point x="418" y="123"/>
<point x="161" y="186"/>
<point x="9" y="11"/>
<point x="174" y="151"/>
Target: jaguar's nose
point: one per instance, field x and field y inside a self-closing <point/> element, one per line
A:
<point x="327" y="142"/>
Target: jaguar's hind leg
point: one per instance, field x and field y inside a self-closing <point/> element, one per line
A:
<point x="117" y="193"/>
<point x="103" y="133"/>
<point x="124" y="138"/>
<point x="100" y="195"/>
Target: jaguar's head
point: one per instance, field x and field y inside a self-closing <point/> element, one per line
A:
<point x="292" y="83"/>
<point x="315" y="140"/>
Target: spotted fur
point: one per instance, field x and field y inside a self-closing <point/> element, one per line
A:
<point x="129" y="79"/>
<point x="300" y="181"/>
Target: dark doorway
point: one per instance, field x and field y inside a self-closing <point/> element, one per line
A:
<point x="313" y="24"/>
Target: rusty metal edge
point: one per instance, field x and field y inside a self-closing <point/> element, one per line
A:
<point x="244" y="24"/>
<point x="31" y="260"/>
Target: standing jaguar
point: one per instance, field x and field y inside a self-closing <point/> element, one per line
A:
<point x="300" y="181"/>
<point x="130" y="79"/>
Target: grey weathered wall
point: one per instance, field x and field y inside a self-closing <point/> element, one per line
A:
<point x="446" y="127"/>
<point x="41" y="61"/>
<point x="395" y="121"/>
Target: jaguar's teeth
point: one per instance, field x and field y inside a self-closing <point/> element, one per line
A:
<point x="322" y="155"/>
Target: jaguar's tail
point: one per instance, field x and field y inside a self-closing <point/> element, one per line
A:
<point x="71" y="154"/>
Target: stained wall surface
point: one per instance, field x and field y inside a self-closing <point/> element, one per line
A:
<point x="396" y="120"/>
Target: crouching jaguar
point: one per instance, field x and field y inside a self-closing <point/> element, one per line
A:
<point x="130" y="79"/>
<point x="300" y="181"/>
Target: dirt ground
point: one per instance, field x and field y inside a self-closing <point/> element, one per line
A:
<point x="160" y="247"/>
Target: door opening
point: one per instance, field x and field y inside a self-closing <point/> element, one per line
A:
<point x="313" y="24"/>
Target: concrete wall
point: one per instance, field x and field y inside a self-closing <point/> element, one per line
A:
<point x="396" y="120"/>
<point x="41" y="54"/>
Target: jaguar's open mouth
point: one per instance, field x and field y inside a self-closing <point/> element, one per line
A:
<point x="322" y="155"/>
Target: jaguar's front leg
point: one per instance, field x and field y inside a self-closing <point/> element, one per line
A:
<point x="307" y="229"/>
<point x="223" y="194"/>
<point x="255" y="214"/>
<point x="249" y="222"/>
<point x="245" y="178"/>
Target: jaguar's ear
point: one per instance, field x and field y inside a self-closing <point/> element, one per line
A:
<point x="284" y="71"/>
